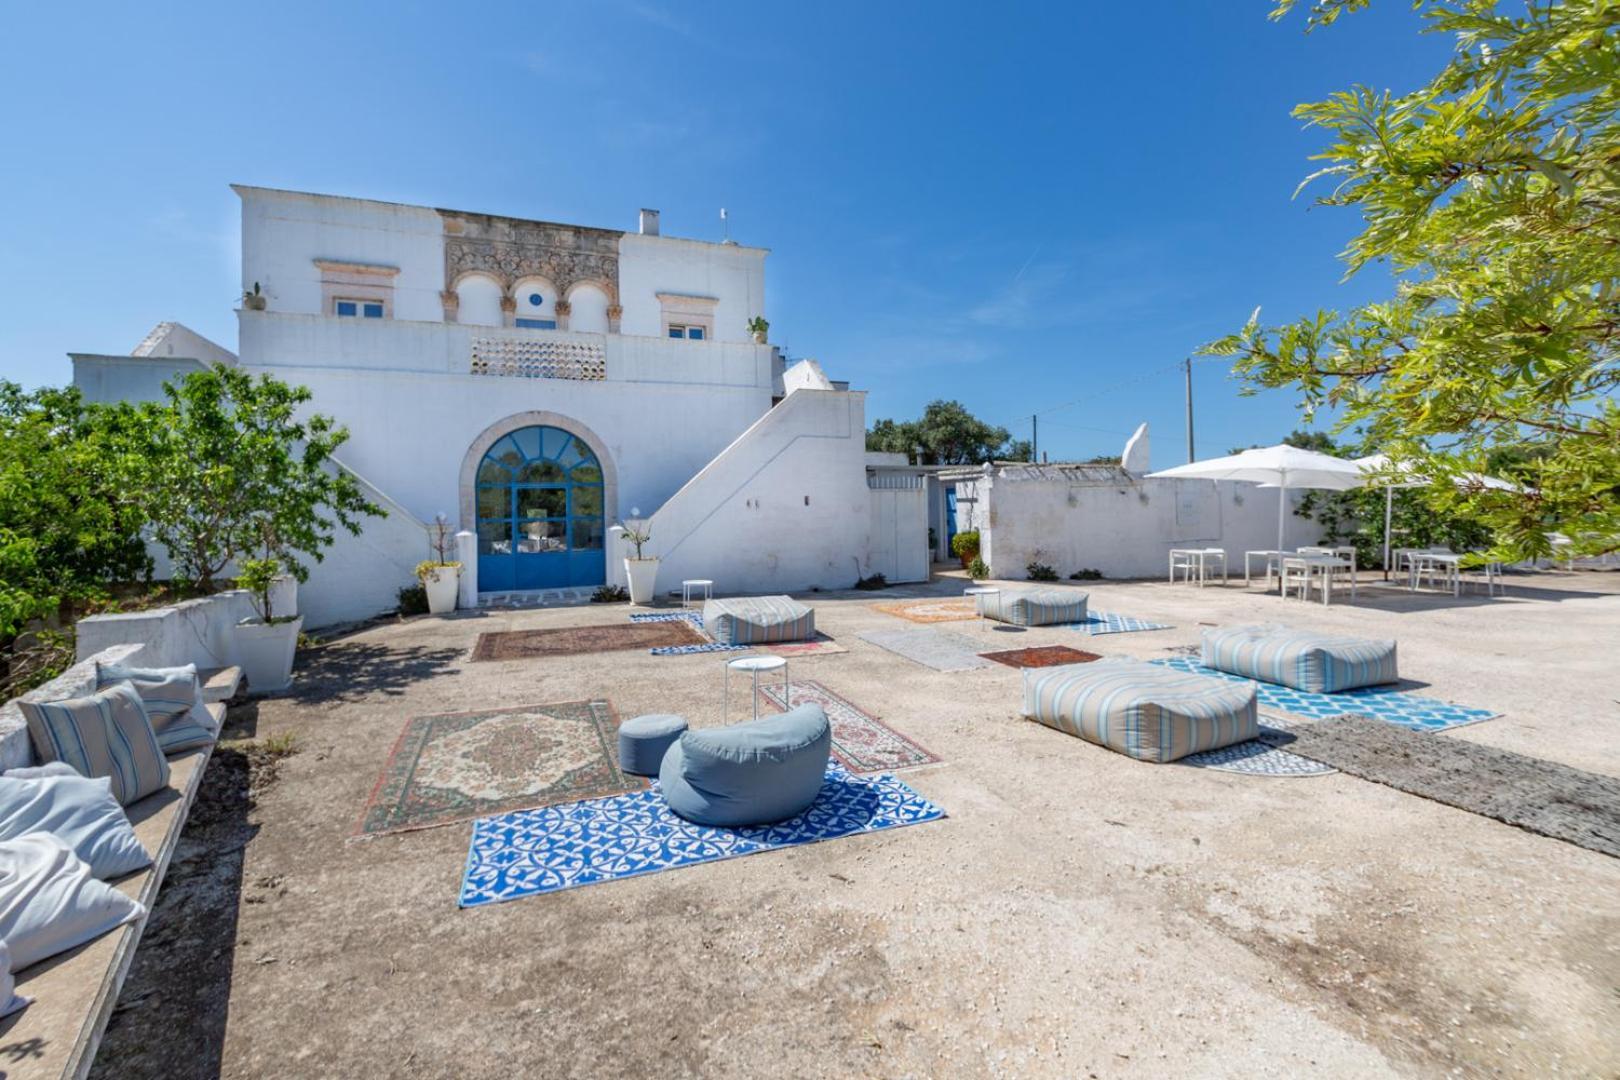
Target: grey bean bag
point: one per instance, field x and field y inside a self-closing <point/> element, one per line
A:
<point x="748" y="774"/>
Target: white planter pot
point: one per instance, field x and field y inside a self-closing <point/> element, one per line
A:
<point x="265" y="651"/>
<point x="441" y="586"/>
<point x="643" y="575"/>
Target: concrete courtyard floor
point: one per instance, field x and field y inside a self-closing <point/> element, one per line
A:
<point x="1077" y="914"/>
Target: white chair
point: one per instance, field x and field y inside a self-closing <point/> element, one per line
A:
<point x="1296" y="572"/>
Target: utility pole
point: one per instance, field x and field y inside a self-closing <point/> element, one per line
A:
<point x="1034" y="439"/>
<point x="1188" y="365"/>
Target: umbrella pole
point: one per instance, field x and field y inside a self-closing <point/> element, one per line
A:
<point x="1282" y="502"/>
<point x="1389" y="510"/>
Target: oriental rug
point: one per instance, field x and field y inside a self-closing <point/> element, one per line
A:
<point x="457" y="766"/>
<point x="574" y="640"/>
<point x="1041" y="656"/>
<point x="860" y="740"/>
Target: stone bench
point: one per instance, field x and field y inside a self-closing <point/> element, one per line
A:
<point x="74" y="993"/>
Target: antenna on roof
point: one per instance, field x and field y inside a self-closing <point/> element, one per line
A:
<point x="725" y="224"/>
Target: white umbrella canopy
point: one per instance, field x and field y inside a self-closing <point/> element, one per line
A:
<point x="1408" y="477"/>
<point x="1283" y="465"/>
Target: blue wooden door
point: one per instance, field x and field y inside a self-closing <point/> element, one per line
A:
<point x="540" y="513"/>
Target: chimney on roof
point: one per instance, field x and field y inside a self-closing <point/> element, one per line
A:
<point x="649" y="222"/>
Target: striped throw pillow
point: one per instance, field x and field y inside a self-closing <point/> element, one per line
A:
<point x="173" y="702"/>
<point x="104" y="734"/>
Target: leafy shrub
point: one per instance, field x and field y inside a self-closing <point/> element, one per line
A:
<point x="1039" y="571"/>
<point x="978" y="569"/>
<point x="610" y="594"/>
<point x="870" y="584"/>
<point x="413" y="600"/>
<point x="1086" y="575"/>
<point x="965" y="546"/>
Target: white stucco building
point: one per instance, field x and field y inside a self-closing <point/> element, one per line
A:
<point x="536" y="382"/>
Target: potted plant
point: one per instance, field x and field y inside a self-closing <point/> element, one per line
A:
<point x="758" y="327"/>
<point x="440" y="576"/>
<point x="641" y="570"/>
<point x="266" y="645"/>
<point x="254" y="300"/>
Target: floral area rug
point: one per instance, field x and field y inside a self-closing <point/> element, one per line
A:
<point x="860" y="740"/>
<point x="562" y="847"/>
<point x="945" y="609"/>
<point x="458" y="766"/>
<point x="573" y="640"/>
<point x="1041" y="656"/>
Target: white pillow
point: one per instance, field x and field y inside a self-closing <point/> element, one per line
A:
<point x="39" y="772"/>
<point x="78" y="810"/>
<point x="10" y="1000"/>
<point x="49" y="903"/>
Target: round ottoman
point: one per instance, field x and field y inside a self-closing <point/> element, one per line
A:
<point x="643" y="740"/>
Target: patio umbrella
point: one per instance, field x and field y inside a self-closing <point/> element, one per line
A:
<point x="1409" y="478"/>
<point x="1283" y="465"/>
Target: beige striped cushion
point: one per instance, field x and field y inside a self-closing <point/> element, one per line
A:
<point x="1145" y="711"/>
<point x="758" y="620"/>
<point x="104" y="734"/>
<point x="1302" y="659"/>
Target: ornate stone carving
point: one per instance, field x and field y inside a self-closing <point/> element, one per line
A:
<point x="563" y="308"/>
<point x="452" y="304"/>
<point x="510" y="249"/>
<point x="614" y="314"/>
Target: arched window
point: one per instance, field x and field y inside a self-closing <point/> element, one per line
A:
<point x="540" y="512"/>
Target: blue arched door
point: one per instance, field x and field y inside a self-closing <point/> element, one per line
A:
<point x="540" y="513"/>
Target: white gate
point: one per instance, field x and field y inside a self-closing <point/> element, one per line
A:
<point x="899" y="503"/>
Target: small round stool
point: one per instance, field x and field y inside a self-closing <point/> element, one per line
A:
<point x="644" y="739"/>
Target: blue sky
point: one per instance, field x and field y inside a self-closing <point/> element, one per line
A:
<point x="1017" y="208"/>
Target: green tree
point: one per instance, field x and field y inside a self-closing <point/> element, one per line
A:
<point x="1492" y="194"/>
<point x="232" y="471"/>
<point x="947" y="434"/>
<point x="70" y="516"/>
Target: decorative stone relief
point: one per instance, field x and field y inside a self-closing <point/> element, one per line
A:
<point x="510" y="249"/>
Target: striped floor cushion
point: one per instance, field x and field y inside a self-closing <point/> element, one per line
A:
<point x="1034" y="607"/>
<point x="758" y="620"/>
<point x="1144" y="711"/>
<point x="1302" y="659"/>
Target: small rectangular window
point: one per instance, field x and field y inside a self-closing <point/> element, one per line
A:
<point x="538" y="324"/>
<point x="677" y="331"/>
<point x="374" y="311"/>
<point x="347" y="307"/>
<point x="694" y="333"/>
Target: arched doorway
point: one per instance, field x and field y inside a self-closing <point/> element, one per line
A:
<point x="540" y="512"/>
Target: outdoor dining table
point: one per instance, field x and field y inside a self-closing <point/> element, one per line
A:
<point x="1272" y="558"/>
<point x="1449" y="565"/>
<point x="1325" y="567"/>
<point x="1186" y="559"/>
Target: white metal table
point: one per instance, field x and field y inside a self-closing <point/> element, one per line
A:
<point x="1307" y="569"/>
<point x="1185" y="559"/>
<point x="1428" y="564"/>
<point x="690" y="585"/>
<point x="1272" y="559"/>
<point x="980" y="590"/>
<point x="754" y="666"/>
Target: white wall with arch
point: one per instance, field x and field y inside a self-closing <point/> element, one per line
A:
<point x="479" y="300"/>
<point x="589" y="304"/>
<point x="534" y="298"/>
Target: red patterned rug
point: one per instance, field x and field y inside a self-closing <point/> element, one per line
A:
<point x="457" y="766"/>
<point x="860" y="740"/>
<point x="574" y="640"/>
<point x="1041" y="656"/>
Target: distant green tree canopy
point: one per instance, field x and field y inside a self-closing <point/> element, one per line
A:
<point x="947" y="434"/>
<point x="1492" y="195"/>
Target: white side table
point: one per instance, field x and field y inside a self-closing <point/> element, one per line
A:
<point x="691" y="585"/>
<point x="981" y="590"/>
<point x="753" y="665"/>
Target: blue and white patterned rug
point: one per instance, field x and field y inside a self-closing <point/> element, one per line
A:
<point x="551" y="848"/>
<point x="1103" y="622"/>
<point x="696" y="620"/>
<point x="1260" y="757"/>
<point x="1383" y="702"/>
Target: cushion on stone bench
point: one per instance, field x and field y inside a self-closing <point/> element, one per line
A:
<point x="758" y="620"/>
<point x="1034" y="607"/>
<point x="1145" y="711"/>
<point x="1302" y="659"/>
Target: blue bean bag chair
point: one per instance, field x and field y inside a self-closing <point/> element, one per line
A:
<point x="748" y="774"/>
